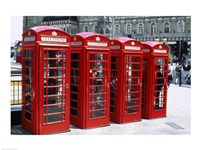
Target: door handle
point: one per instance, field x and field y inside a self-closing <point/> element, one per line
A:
<point x="67" y="86"/>
<point x="108" y="85"/>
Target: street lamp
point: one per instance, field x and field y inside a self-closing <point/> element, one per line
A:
<point x="164" y="40"/>
<point x="157" y="39"/>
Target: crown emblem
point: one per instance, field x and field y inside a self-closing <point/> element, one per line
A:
<point x="112" y="43"/>
<point x="54" y="33"/>
<point x="160" y="46"/>
<point x="74" y="38"/>
<point x="97" y="38"/>
<point x="29" y="33"/>
<point x="132" y="43"/>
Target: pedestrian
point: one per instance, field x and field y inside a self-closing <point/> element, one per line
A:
<point x="170" y="73"/>
<point x="178" y="70"/>
<point x="188" y="77"/>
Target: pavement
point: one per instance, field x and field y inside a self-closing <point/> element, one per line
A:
<point x="177" y="122"/>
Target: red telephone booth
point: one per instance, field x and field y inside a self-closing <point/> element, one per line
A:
<point x="155" y="77"/>
<point x="45" y="80"/>
<point x="126" y="80"/>
<point x="90" y="78"/>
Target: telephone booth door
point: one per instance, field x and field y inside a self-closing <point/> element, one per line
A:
<point x="98" y="87"/>
<point x="54" y="89"/>
<point x="45" y="80"/>
<point x="160" y="86"/>
<point x="132" y="88"/>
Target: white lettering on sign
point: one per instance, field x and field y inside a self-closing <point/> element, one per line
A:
<point x="132" y="47"/>
<point x="97" y="44"/>
<point x="76" y="43"/>
<point x="160" y="51"/>
<point x="115" y="47"/>
<point x="29" y="38"/>
<point x="53" y="39"/>
<point x="146" y="50"/>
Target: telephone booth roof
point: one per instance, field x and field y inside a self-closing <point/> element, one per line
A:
<point x="35" y="34"/>
<point x="154" y="47"/>
<point x="90" y="39"/>
<point x="125" y="44"/>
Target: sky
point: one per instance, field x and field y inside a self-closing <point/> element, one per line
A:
<point x="16" y="28"/>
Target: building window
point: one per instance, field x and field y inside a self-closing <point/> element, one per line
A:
<point x="107" y="30"/>
<point x="153" y="28"/>
<point x="180" y="26"/>
<point x="117" y="29"/>
<point x="128" y="29"/>
<point x="86" y="29"/>
<point x="95" y="29"/>
<point x="166" y="30"/>
<point x="140" y="28"/>
<point x="72" y="31"/>
<point x="34" y="20"/>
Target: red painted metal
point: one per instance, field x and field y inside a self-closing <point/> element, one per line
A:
<point x="45" y="80"/>
<point x="90" y="78"/>
<point x="126" y="80"/>
<point x="155" y="60"/>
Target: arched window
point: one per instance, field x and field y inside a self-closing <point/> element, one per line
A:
<point x="95" y="29"/>
<point x="107" y="30"/>
<point x="140" y="28"/>
<point x="166" y="29"/>
<point x="180" y="26"/>
<point x="86" y="29"/>
<point x="35" y="20"/>
<point x="117" y="29"/>
<point x="128" y="28"/>
<point x="72" y="31"/>
<point x="153" y="28"/>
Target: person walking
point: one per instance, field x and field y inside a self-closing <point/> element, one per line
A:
<point x="170" y="73"/>
<point x="178" y="70"/>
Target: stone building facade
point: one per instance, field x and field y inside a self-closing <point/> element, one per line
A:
<point x="167" y="29"/>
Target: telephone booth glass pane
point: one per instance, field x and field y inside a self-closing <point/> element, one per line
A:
<point x="132" y="88"/>
<point x="113" y="84"/>
<point x="27" y="83"/>
<point x="54" y="86"/>
<point x="144" y="83"/>
<point x="74" y="87"/>
<point x="160" y="87"/>
<point x="98" y="85"/>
